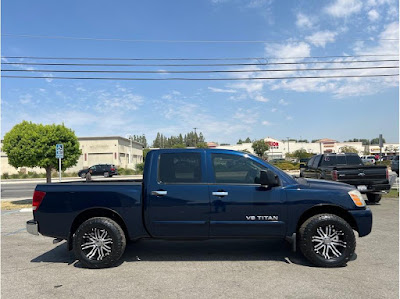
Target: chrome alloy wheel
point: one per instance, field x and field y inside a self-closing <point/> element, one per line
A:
<point x="329" y="242"/>
<point x="96" y="244"/>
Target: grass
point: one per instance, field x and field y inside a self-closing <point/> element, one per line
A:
<point x="393" y="193"/>
<point x="16" y="205"/>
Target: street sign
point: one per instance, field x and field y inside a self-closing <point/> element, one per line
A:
<point x="59" y="151"/>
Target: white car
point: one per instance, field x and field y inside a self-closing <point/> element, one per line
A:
<point x="368" y="159"/>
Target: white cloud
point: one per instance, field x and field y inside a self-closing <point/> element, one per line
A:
<point x="25" y="99"/>
<point x="289" y="117"/>
<point x="213" y="89"/>
<point x="283" y="102"/>
<point x="321" y="38"/>
<point x="274" y="110"/>
<point x="373" y="15"/>
<point x="260" y="98"/>
<point x="290" y="49"/>
<point x="303" y="21"/>
<point x="343" y="8"/>
<point x="266" y="123"/>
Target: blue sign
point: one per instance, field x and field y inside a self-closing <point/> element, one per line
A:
<point x="59" y="151"/>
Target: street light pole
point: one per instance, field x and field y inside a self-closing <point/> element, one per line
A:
<point x="288" y="145"/>
<point x="195" y="137"/>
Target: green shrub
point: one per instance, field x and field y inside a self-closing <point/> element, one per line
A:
<point x="139" y="168"/>
<point x="5" y="176"/>
<point x="125" y="171"/>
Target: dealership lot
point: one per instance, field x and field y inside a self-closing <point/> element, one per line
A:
<point x="33" y="266"/>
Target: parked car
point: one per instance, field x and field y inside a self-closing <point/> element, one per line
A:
<point x="304" y="161"/>
<point x="277" y="161"/>
<point x="349" y="168"/>
<point x="202" y="194"/>
<point x="106" y="170"/>
<point x="395" y="165"/>
<point x="368" y="159"/>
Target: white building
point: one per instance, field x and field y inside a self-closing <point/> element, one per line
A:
<point x="279" y="148"/>
<point x="120" y="151"/>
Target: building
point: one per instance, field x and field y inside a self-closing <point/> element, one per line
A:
<point x="116" y="150"/>
<point x="279" y="148"/>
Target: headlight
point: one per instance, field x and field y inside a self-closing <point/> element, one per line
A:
<point x="357" y="198"/>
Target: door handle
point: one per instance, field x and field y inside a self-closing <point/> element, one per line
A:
<point x="159" y="193"/>
<point x="220" y="193"/>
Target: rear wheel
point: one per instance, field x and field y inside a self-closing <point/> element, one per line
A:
<point x="374" y="198"/>
<point x="99" y="242"/>
<point x="106" y="174"/>
<point x="327" y="240"/>
<point x="83" y="175"/>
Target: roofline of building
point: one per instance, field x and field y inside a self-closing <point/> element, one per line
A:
<point x="108" y="138"/>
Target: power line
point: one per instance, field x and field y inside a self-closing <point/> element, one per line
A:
<point x="202" y="72"/>
<point x="203" y="79"/>
<point x="200" y="59"/>
<point x="200" y="65"/>
<point x="182" y="41"/>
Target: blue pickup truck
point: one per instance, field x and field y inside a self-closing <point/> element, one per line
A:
<point x="202" y="194"/>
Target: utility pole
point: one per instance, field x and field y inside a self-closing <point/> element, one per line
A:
<point x="195" y="137"/>
<point x="288" y="145"/>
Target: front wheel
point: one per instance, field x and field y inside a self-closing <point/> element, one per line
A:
<point x="374" y="198"/>
<point x="327" y="240"/>
<point x="99" y="242"/>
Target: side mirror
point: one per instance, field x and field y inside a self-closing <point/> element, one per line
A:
<point x="268" y="178"/>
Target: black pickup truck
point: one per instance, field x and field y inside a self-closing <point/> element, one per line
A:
<point x="348" y="168"/>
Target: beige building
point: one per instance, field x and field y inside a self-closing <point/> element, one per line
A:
<point x="120" y="151"/>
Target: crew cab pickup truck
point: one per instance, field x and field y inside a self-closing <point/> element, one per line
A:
<point x="348" y="168"/>
<point x="202" y="194"/>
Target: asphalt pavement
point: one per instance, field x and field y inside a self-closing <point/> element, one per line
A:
<point x="32" y="267"/>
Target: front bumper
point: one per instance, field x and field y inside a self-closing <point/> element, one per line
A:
<point x="32" y="226"/>
<point x="363" y="220"/>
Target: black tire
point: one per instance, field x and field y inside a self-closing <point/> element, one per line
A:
<point x="107" y="234"/>
<point x="83" y="175"/>
<point x="344" y="242"/>
<point x="374" y="198"/>
<point x="106" y="174"/>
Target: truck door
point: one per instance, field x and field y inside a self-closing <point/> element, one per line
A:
<point x="177" y="202"/>
<point x="241" y="207"/>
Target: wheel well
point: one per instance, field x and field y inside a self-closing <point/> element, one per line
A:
<point x="98" y="212"/>
<point x="328" y="209"/>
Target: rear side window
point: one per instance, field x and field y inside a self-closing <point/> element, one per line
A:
<point x="233" y="169"/>
<point x="310" y="162"/>
<point x="179" y="168"/>
<point x="316" y="161"/>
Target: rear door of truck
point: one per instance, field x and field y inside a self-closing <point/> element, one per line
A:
<point x="176" y="201"/>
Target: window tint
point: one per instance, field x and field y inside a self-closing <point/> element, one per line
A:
<point x="310" y="162"/>
<point x="179" y="168"/>
<point x="232" y="169"/>
<point x="353" y="160"/>
<point x="316" y="161"/>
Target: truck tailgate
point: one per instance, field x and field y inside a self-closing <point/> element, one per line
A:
<point x="362" y="175"/>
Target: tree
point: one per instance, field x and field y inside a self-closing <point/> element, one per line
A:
<point x="34" y="145"/>
<point x="248" y="140"/>
<point x="240" y="141"/>
<point x="260" y="147"/>
<point x="300" y="154"/>
<point x="348" y="149"/>
<point x="376" y="140"/>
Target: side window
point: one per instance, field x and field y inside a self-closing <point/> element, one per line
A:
<point x="179" y="168"/>
<point x="93" y="168"/>
<point x="233" y="169"/>
<point x="310" y="162"/>
<point x="316" y="161"/>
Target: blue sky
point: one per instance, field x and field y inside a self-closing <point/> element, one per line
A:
<point x="223" y="110"/>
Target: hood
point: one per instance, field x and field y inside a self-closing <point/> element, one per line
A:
<point x="324" y="185"/>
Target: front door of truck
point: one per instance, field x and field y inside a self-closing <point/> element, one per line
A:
<point x="240" y="206"/>
<point x="177" y="202"/>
